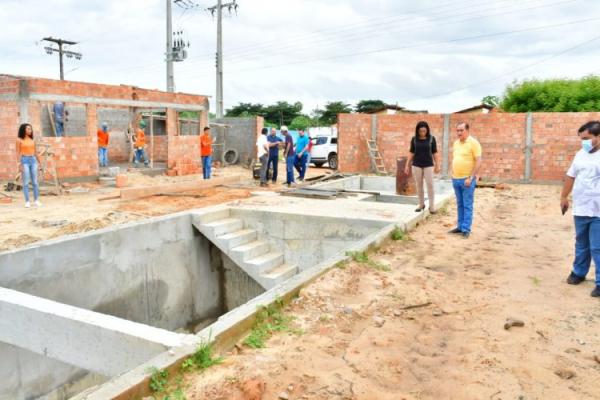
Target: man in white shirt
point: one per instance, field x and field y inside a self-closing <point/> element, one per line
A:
<point x="262" y="146"/>
<point x="583" y="178"/>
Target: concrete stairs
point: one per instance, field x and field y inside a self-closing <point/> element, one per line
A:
<point x="255" y="255"/>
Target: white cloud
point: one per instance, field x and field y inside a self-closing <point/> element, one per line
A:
<point x="294" y="49"/>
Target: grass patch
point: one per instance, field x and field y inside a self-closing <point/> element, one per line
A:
<point x="362" y="257"/>
<point x="399" y="234"/>
<point x="159" y="380"/>
<point x="201" y="359"/>
<point x="341" y="264"/>
<point x="269" y="320"/>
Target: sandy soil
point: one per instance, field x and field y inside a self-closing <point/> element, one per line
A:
<point x="433" y="327"/>
<point x="81" y="212"/>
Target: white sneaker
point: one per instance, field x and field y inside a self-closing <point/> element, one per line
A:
<point x="38" y="203"/>
<point x="27" y="204"/>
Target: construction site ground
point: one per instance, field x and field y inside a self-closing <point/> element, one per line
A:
<point x="433" y="326"/>
<point x="81" y="209"/>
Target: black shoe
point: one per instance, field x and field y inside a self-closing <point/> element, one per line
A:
<point x="466" y="235"/>
<point x="419" y="209"/>
<point x="596" y="292"/>
<point x="455" y="230"/>
<point x="575" y="279"/>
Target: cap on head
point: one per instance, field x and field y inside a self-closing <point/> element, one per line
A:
<point x="104" y="125"/>
<point x="284" y="128"/>
<point x="142" y="123"/>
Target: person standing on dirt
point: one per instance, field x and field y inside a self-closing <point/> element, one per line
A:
<point x="466" y="162"/>
<point x="273" y="162"/>
<point x="103" y="137"/>
<point x="424" y="159"/>
<point x="301" y="154"/>
<point x="583" y="178"/>
<point x="290" y="156"/>
<point x="206" y="152"/>
<point x="140" y="143"/>
<point x="28" y="162"/>
<point x="263" y="148"/>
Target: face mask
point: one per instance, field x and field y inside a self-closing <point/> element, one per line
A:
<point x="587" y="145"/>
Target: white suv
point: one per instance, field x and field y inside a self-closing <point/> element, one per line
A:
<point x="324" y="150"/>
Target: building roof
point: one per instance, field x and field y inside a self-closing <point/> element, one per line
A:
<point x="475" y="108"/>
<point x="395" y="108"/>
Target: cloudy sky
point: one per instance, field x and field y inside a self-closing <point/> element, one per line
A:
<point x="439" y="55"/>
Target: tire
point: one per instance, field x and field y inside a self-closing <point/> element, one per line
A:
<point x="230" y="156"/>
<point x="333" y="161"/>
<point x="319" y="164"/>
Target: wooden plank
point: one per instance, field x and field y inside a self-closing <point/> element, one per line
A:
<point x="138" y="193"/>
<point x="51" y="120"/>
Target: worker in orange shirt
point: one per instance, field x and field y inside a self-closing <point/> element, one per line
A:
<point x="103" y="145"/>
<point x="140" y="143"/>
<point x="206" y="152"/>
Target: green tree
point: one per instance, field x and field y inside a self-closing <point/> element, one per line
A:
<point x="282" y="112"/>
<point x="332" y="109"/>
<point x="245" y="110"/>
<point x="365" y="106"/>
<point x="492" y="101"/>
<point x="301" y="122"/>
<point x="553" y="95"/>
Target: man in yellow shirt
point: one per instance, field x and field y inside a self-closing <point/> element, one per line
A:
<point x="466" y="161"/>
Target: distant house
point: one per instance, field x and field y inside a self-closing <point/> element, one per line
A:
<point x="480" y="109"/>
<point x="390" y="109"/>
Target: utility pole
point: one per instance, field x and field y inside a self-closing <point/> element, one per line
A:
<point x="219" y="9"/>
<point x="169" y="53"/>
<point x="61" y="51"/>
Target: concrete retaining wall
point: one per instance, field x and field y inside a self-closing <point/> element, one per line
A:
<point x="157" y="272"/>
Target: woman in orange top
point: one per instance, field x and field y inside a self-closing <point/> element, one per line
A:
<point x="28" y="161"/>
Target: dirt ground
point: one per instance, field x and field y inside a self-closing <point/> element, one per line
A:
<point x="81" y="210"/>
<point x="433" y="326"/>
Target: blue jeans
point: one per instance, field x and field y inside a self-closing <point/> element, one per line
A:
<point x="301" y="164"/>
<point x="103" y="156"/>
<point x="30" y="175"/>
<point x="464" y="203"/>
<point x="587" y="246"/>
<point x="206" y="164"/>
<point x="60" y="128"/>
<point x="274" y="161"/>
<point x="139" y="155"/>
<point x="289" y="169"/>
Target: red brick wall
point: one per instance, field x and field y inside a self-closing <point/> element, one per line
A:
<point x="78" y="156"/>
<point x="502" y="136"/>
<point x="183" y="155"/>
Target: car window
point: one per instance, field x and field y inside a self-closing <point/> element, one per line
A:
<point x="334" y="140"/>
<point x="321" y="140"/>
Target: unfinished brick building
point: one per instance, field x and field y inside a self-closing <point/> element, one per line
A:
<point x="517" y="147"/>
<point x="174" y="143"/>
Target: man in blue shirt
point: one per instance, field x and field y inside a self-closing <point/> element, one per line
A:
<point x="301" y="154"/>
<point x="59" y="117"/>
<point x="290" y="155"/>
<point x="273" y="153"/>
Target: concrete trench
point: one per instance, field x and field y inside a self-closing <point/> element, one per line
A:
<point x="86" y="315"/>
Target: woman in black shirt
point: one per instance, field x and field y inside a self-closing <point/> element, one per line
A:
<point x="423" y="158"/>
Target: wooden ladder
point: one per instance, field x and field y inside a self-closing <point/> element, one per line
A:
<point x="376" y="159"/>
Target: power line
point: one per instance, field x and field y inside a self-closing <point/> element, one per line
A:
<point x="389" y="49"/>
<point x="411" y="28"/>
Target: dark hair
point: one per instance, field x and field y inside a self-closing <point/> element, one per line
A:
<point x="594" y="128"/>
<point x="22" y="131"/>
<point x="422" y="124"/>
<point x="264" y="131"/>
<point x="466" y="124"/>
<point x="584" y="127"/>
<point x="206" y="128"/>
